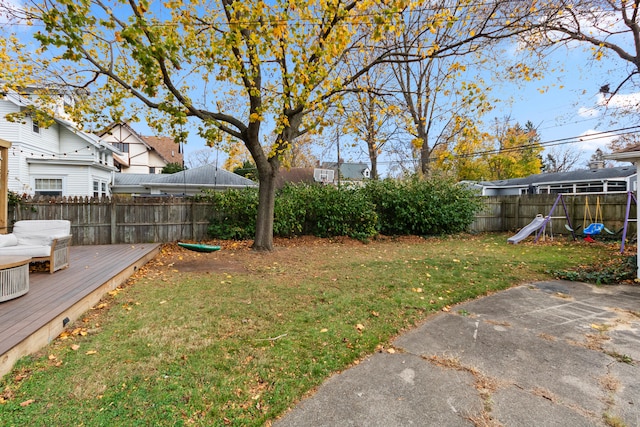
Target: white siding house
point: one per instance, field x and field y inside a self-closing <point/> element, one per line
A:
<point x="141" y="154"/>
<point x="595" y="180"/>
<point x="58" y="160"/>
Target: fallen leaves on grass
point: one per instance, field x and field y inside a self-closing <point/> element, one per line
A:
<point x="115" y="292"/>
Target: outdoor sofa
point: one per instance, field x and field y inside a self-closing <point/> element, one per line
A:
<point x="42" y="240"/>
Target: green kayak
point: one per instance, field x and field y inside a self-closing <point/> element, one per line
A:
<point x="198" y="247"/>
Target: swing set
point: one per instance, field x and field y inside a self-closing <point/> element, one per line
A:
<point x="594" y="225"/>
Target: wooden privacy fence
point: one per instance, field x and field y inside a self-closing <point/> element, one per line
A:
<point x="167" y="219"/>
<point x="509" y="213"/>
<point x="114" y="220"/>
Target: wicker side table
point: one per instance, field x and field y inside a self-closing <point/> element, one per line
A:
<point x="14" y="276"/>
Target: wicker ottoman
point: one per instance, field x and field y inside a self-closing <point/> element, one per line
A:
<point x="14" y="276"/>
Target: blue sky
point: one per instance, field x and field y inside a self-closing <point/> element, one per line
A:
<point x="563" y="105"/>
<point x="570" y="104"/>
<point x="566" y="108"/>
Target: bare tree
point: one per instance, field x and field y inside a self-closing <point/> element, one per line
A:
<point x="370" y="112"/>
<point x="624" y="141"/>
<point x="439" y="92"/>
<point x="204" y="156"/>
<point x="560" y="160"/>
<point x="611" y="28"/>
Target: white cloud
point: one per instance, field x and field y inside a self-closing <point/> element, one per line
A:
<point x="620" y="103"/>
<point x="588" y="112"/>
<point x="625" y="102"/>
<point x="592" y="139"/>
<point x="598" y="23"/>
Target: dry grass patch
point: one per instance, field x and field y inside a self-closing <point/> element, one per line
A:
<point x="547" y="337"/>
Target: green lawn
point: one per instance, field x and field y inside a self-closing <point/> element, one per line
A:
<point x="241" y="344"/>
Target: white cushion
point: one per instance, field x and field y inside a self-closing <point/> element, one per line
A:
<point x="40" y="232"/>
<point x="8" y="240"/>
<point x="26" y="250"/>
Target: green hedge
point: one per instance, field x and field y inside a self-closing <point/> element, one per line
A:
<point x="234" y="213"/>
<point x="324" y="211"/>
<point x="419" y="207"/>
<point x="389" y="207"/>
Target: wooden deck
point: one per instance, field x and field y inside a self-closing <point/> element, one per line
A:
<point x="31" y="321"/>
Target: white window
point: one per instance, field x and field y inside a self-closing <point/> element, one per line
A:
<point x="99" y="188"/>
<point x="35" y="126"/>
<point x="48" y="186"/>
<point x="122" y="146"/>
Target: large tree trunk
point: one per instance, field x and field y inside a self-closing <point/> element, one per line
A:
<point x="266" y="201"/>
<point x="425" y="154"/>
<point x="373" y="158"/>
<point x="268" y="169"/>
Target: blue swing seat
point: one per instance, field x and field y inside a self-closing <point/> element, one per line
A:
<point x="593" y="229"/>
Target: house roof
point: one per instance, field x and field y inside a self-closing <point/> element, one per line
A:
<point x="295" y="176"/>
<point x="348" y="170"/>
<point x="208" y="176"/>
<point x="582" y="175"/>
<point x="166" y="146"/>
<point x="131" y="130"/>
<point x="629" y="154"/>
<point x="205" y="175"/>
<point x="631" y="148"/>
<point x="89" y="137"/>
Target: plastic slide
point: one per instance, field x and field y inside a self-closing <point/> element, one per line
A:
<point x="527" y="230"/>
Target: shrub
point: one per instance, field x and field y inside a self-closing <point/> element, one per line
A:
<point x="389" y="207"/>
<point x="613" y="271"/>
<point x="235" y="213"/>
<point x="290" y="210"/>
<point x="422" y="207"/>
<point x="324" y="211"/>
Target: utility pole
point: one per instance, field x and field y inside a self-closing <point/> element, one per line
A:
<point x="338" y="146"/>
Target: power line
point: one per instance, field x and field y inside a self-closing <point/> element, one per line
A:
<point x="550" y="143"/>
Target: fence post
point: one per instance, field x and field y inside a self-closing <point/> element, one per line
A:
<point x="517" y="213"/>
<point x="114" y="223"/>
<point x="574" y="217"/>
<point x="193" y="220"/>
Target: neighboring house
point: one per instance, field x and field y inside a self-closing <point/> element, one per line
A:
<point x="352" y="172"/>
<point x="295" y="176"/>
<point x="59" y="160"/>
<point x="141" y="154"/>
<point x="594" y="180"/>
<point x="188" y="182"/>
